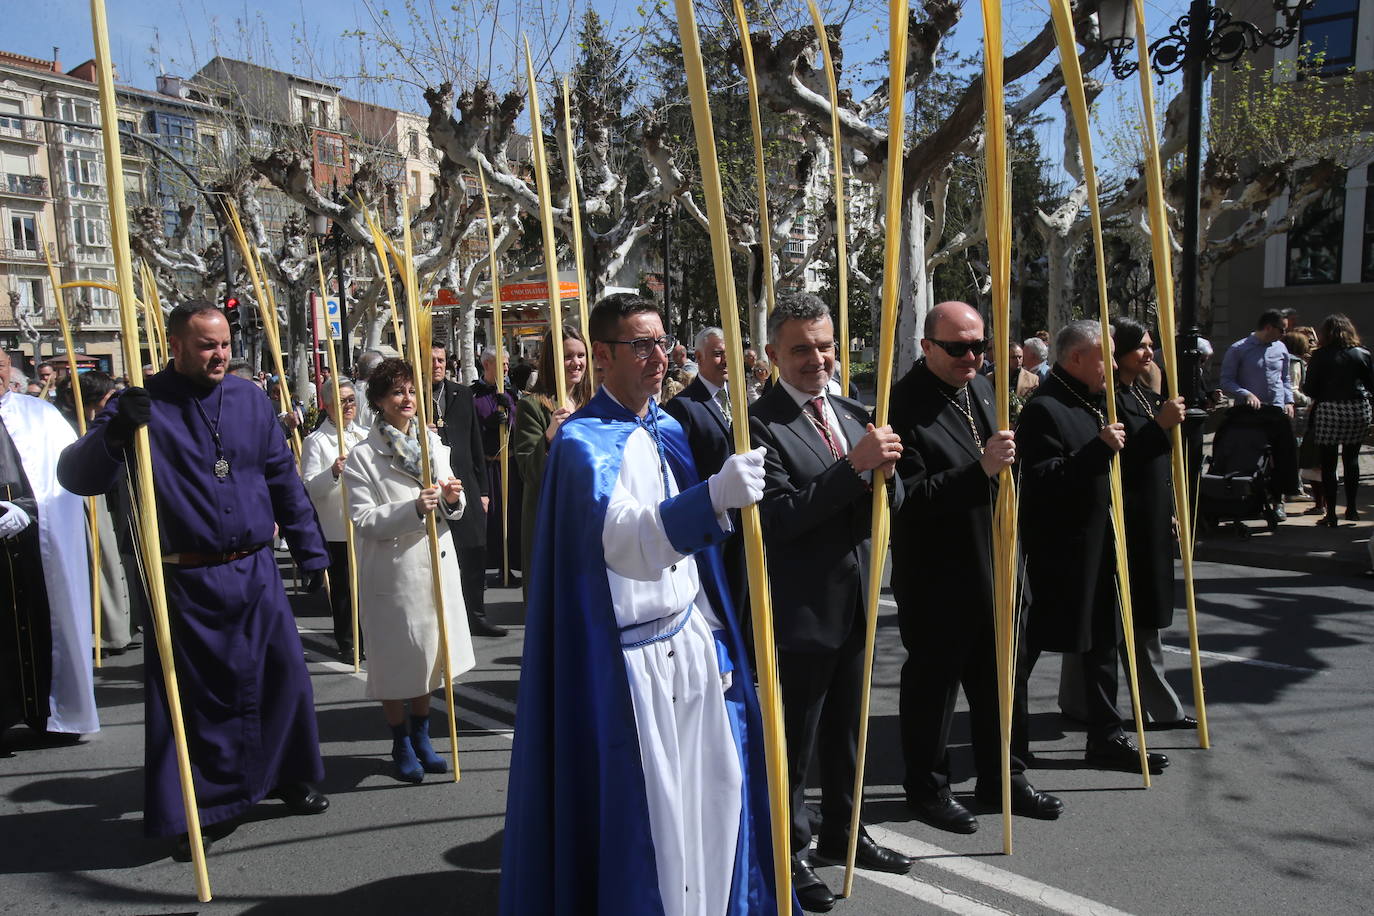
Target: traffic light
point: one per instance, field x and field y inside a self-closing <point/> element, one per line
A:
<point x="231" y="312"/>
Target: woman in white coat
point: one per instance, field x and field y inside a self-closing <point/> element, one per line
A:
<point x="395" y="591"/>
<point x="321" y="468"/>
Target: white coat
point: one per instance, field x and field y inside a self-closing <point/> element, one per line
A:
<point x="395" y="590"/>
<point x="318" y="452"/>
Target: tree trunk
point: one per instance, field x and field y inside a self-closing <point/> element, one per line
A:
<point x="467" y="342"/>
<point x="1059" y="257"/>
<point x="913" y="290"/>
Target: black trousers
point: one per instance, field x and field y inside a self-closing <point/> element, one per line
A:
<point x="340" y="596"/>
<point x="1283" y="445"/>
<point x="472" y="566"/>
<point x="1349" y="456"/>
<point x="821" y="693"/>
<point x="931" y="677"/>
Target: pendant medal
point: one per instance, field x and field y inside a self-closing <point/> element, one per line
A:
<point x="221" y="468"/>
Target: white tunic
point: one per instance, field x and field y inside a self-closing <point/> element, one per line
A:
<point x="40" y="433"/>
<point x="318" y="453"/>
<point x="691" y="764"/>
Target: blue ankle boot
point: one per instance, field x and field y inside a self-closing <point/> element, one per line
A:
<point x="408" y="769"/>
<point x="424" y="751"/>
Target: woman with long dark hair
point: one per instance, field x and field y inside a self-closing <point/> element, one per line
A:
<point x="537" y="418"/>
<point x="1340" y="381"/>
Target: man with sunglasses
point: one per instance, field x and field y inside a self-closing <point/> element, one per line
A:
<point x="824" y="456"/>
<point x="945" y="412"/>
<point x="637" y="780"/>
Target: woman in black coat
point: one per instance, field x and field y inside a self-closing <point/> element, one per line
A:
<point x="1340" y="381"/>
<point x="1147" y="486"/>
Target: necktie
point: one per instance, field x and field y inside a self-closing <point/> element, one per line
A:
<point x="817" y="405"/>
<point x="723" y="399"/>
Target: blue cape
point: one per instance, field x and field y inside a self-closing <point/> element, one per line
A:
<point x="577" y="837"/>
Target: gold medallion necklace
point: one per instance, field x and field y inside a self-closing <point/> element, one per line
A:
<point x="968" y="415"/>
<point x="1101" y="420"/>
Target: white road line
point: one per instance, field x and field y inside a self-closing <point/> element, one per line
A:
<point x="1007" y="882"/>
<point x="1258" y="663"/>
<point x="1214" y="656"/>
<point x="924" y="891"/>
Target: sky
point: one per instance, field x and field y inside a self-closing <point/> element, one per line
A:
<point x="315" y="38"/>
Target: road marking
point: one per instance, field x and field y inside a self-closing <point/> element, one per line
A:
<point x="1258" y="663"/>
<point x="927" y="892"/>
<point x="1007" y="882"/>
<point x="1214" y="656"/>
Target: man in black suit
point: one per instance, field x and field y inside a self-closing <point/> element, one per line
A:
<point x="822" y="453"/>
<point x="1066" y="446"/>
<point x="703" y="409"/>
<point x="455" y="420"/>
<point x="944" y="410"/>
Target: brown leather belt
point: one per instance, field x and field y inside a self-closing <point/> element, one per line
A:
<point x="188" y="559"/>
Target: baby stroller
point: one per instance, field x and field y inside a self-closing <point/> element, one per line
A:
<point x="1237" y="484"/>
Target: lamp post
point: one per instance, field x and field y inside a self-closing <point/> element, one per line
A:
<point x="1202" y="38"/>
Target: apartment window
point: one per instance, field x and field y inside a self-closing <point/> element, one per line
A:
<point x="30" y="291"/>
<point x="414" y="141"/>
<point x="9" y="107"/>
<point x="98" y="298"/>
<point x="1328" y="32"/>
<point x="322" y="112"/>
<point x="1314" y="242"/>
<point x="415" y="182"/>
<point x="796" y="247"/>
<point x="15" y="163"/>
<point x="77" y="110"/>
<point x="84" y="168"/>
<point x="24" y="231"/>
<point x="330" y="150"/>
<point x="88" y="225"/>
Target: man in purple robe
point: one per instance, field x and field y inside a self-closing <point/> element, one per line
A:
<point x="494" y="410"/>
<point x="224" y="478"/>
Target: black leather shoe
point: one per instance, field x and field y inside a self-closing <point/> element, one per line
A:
<point x="482" y="628"/>
<point x="1026" y="801"/>
<point x="181" y="850"/>
<point x="811" y="891"/>
<point x="1122" y="753"/>
<point x="943" y="810"/>
<point x="302" y="798"/>
<point x="1187" y="722"/>
<point x="868" y="855"/>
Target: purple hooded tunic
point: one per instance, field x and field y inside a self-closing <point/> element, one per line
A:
<point x="245" y="690"/>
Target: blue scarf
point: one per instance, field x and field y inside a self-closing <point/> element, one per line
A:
<point x="406" y="446"/>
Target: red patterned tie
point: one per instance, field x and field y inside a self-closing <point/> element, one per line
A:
<point x="817" y="405"/>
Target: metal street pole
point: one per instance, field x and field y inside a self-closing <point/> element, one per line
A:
<point x="667" y="270"/>
<point x="1189" y="355"/>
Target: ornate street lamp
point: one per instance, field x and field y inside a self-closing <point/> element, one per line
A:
<point x="1202" y="38"/>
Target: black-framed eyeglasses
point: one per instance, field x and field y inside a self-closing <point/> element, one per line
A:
<point x="643" y="347"/>
<point x="961" y="348"/>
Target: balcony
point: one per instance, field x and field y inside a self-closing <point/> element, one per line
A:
<point x="88" y="138"/>
<point x="19" y="130"/>
<point x="131" y="149"/>
<point x="9" y="251"/>
<point x="23" y="185"/>
<point x="81" y="191"/>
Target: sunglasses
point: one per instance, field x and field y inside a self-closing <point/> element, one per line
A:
<point x="643" y="347"/>
<point x="961" y="348"/>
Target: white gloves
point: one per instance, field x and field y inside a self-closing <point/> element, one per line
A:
<point x="739" y="483"/>
<point x="14" y="520"/>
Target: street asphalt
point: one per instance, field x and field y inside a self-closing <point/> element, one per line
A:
<point x="1276" y="817"/>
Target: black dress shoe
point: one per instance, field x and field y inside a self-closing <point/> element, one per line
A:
<point x="811" y="891"/>
<point x="482" y="628"/>
<point x="943" y="810"/>
<point x="1122" y="753"/>
<point x="302" y="798"/>
<point x="1187" y="722"/>
<point x="1026" y="801"/>
<point x="869" y="855"/>
<point x="181" y="850"/>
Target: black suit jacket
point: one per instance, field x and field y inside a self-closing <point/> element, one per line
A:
<point x="817" y="515"/>
<point x="704" y="424"/>
<point x="942" y="535"/>
<point x="1065" y="518"/>
<point x="462" y="433"/>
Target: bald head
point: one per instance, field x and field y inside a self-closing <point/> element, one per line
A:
<point x="954" y="326"/>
